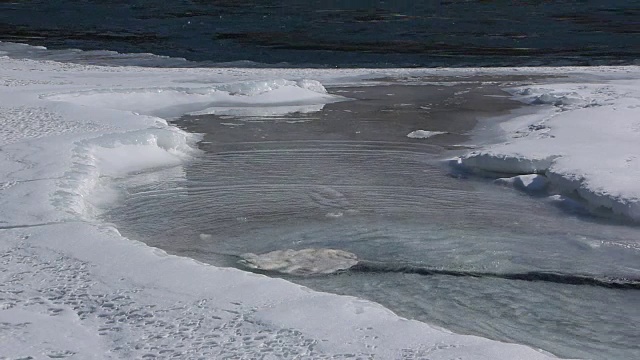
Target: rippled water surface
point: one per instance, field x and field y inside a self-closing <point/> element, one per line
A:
<point x="347" y="177"/>
<point x="338" y="33"/>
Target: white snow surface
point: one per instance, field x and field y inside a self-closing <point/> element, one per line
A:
<point x="71" y="286"/>
<point x="585" y="140"/>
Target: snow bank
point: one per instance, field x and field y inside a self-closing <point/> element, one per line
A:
<point x="118" y="155"/>
<point x="71" y="286"/>
<point x="585" y="141"/>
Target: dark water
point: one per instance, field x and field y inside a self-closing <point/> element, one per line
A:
<point x="338" y="33"/>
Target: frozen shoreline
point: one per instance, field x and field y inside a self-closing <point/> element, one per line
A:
<point x="72" y="286"/>
<point x="582" y="144"/>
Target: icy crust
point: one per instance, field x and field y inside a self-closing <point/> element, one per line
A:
<point x="587" y="146"/>
<point x="118" y="155"/>
<point x="174" y="101"/>
<point x="72" y="287"/>
<point x="255" y="112"/>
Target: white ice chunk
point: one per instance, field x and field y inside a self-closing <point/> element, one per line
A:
<point x="424" y="134"/>
<point x="301" y="262"/>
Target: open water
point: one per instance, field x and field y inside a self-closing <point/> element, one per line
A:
<point x="329" y="33"/>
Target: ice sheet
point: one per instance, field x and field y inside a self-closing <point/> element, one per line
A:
<point x="174" y="101"/>
<point x="71" y="286"/>
<point x="585" y="141"/>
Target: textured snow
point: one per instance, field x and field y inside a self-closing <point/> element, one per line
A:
<point x="73" y="287"/>
<point x="585" y="140"/>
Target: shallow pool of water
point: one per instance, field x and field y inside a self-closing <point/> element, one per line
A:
<point x="347" y="177"/>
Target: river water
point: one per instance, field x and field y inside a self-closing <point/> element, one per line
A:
<point x="327" y="33"/>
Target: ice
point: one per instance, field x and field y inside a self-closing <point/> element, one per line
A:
<point x="587" y="144"/>
<point x="261" y="112"/>
<point x="423" y="134"/>
<point x="72" y="286"/>
<point x="529" y="183"/>
<point x="301" y="262"/>
<point x="112" y="155"/>
<point x="174" y="101"/>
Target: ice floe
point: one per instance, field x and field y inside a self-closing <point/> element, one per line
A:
<point x="301" y="262"/>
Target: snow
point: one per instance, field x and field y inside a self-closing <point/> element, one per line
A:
<point x="585" y="141"/>
<point x="72" y="286"/>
